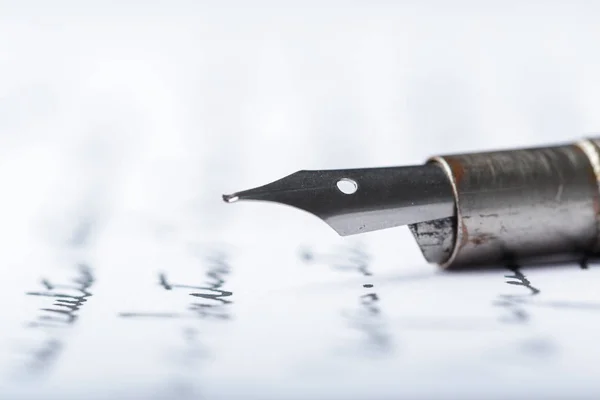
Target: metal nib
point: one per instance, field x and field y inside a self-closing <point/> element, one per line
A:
<point x="230" y="198"/>
<point x="353" y="201"/>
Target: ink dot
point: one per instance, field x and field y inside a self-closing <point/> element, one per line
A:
<point x="347" y="186"/>
<point x="367" y="285"/>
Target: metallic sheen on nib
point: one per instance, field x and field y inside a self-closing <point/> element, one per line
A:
<point x="382" y="197"/>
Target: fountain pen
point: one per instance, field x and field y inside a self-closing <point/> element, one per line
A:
<point x="524" y="205"/>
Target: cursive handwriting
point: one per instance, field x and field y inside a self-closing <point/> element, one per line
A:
<point x="367" y="318"/>
<point x="346" y="258"/>
<point x="520" y="280"/>
<point x="513" y="303"/>
<point x="215" y="300"/>
<point x="67" y="300"/>
<point x="213" y="303"/>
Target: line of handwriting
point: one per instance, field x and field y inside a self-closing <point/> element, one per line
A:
<point x="215" y="300"/>
<point x="367" y="317"/>
<point x="67" y="301"/>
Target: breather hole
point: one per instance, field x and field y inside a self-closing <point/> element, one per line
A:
<point x="347" y="186"/>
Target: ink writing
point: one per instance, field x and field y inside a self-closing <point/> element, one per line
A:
<point x="367" y="318"/>
<point x="67" y="300"/>
<point x="214" y="301"/>
<point x="515" y="303"/>
<point x="211" y="302"/>
<point x="346" y="258"/>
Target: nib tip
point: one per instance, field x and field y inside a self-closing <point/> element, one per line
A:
<point x="230" y="198"/>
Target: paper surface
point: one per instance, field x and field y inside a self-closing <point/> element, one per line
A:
<point x="125" y="276"/>
<point x="304" y="317"/>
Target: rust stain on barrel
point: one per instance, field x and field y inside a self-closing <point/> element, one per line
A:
<point x="482" y="238"/>
<point x="464" y="236"/>
<point x="458" y="170"/>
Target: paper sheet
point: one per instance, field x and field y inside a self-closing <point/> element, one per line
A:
<point x="124" y="275"/>
<point x="129" y="308"/>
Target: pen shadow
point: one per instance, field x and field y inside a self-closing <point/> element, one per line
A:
<point x="582" y="261"/>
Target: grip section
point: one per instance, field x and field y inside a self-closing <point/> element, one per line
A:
<point x="524" y="205"/>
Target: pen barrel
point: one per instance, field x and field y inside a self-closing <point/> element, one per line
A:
<point x="523" y="206"/>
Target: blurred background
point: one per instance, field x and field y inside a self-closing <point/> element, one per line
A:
<point x="123" y="122"/>
<point x="141" y="96"/>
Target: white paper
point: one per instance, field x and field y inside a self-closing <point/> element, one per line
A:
<point x="124" y="275"/>
<point x="303" y="317"/>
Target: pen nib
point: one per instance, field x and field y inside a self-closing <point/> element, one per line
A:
<point x="361" y="200"/>
<point x="230" y="198"/>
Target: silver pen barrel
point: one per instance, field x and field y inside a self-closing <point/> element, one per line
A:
<point x="525" y="205"/>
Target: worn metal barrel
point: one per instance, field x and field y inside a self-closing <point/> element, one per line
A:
<point x="527" y="205"/>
